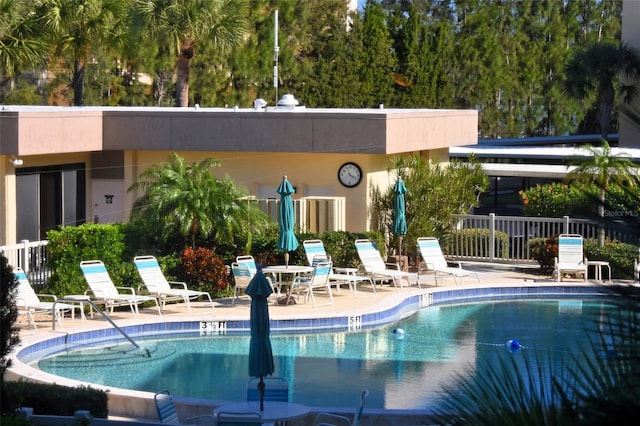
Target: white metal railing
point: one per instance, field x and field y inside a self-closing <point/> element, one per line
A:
<point x="31" y="257"/>
<point x="319" y="214"/>
<point x="522" y="229"/>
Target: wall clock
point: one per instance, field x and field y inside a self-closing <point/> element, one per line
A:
<point x="350" y="174"/>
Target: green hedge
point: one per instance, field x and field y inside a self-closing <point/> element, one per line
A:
<point x="70" y="245"/>
<point x="54" y="400"/>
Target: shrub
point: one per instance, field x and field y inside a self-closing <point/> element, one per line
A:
<point x="70" y="245"/>
<point x="8" y="314"/>
<point x="544" y="251"/>
<point x="619" y="255"/>
<point x="55" y="400"/>
<point x="204" y="270"/>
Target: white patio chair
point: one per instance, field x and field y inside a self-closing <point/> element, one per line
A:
<point x="570" y="256"/>
<point x="315" y="251"/>
<point x="103" y="291"/>
<point x="437" y="264"/>
<point x="374" y="265"/>
<point x="29" y="303"/>
<point x="157" y="285"/>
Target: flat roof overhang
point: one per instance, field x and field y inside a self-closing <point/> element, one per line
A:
<point x="53" y="130"/>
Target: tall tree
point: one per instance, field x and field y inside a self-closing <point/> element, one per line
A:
<point x="79" y="28"/>
<point x="602" y="168"/>
<point x="179" y="26"/>
<point x="595" y="71"/>
<point x="21" y="44"/>
<point x="377" y="61"/>
<point x="185" y="198"/>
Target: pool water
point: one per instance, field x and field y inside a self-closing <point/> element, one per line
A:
<point x="330" y="369"/>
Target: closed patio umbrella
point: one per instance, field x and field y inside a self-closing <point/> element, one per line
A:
<point x="399" y="219"/>
<point x="260" y="354"/>
<point x="287" y="238"/>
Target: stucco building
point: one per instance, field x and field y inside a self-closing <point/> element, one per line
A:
<point x="69" y="165"/>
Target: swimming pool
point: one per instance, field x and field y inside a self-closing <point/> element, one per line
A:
<point x="330" y="368"/>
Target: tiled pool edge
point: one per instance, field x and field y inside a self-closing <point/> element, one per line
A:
<point x="120" y="400"/>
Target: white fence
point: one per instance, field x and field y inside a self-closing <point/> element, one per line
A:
<point x="319" y="214"/>
<point x="520" y="230"/>
<point x="31" y="256"/>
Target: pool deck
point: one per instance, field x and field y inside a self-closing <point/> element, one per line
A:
<point x="491" y="275"/>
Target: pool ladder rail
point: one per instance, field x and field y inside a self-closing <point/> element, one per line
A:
<point x="85" y="299"/>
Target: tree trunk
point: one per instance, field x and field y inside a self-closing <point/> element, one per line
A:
<point x="601" y="214"/>
<point x="605" y="105"/>
<point x="78" y="83"/>
<point x="182" y="79"/>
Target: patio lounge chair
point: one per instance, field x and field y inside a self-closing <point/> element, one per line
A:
<point x="103" y="291"/>
<point x="29" y="303"/>
<point x="436" y="263"/>
<point x="330" y="419"/>
<point x="375" y="266"/>
<point x="570" y="256"/>
<point x="157" y="285"/>
<point x="247" y="268"/>
<point x="168" y="414"/>
<point x="275" y="389"/>
<point x="318" y="279"/>
<point x="315" y="252"/>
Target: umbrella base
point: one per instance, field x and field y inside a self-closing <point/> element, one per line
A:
<point x="286" y="300"/>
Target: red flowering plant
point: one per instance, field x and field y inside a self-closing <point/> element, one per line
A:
<point x="205" y="271"/>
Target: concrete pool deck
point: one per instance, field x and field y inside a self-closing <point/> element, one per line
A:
<point x="136" y="404"/>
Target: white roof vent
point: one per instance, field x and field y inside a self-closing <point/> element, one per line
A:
<point x="259" y="104"/>
<point x="288" y="100"/>
<point x="288" y="103"/>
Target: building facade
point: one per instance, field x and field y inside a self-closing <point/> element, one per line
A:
<point x="70" y="165"/>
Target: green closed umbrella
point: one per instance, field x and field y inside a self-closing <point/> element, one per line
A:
<point x="399" y="219"/>
<point x="287" y="238"/>
<point x="260" y="353"/>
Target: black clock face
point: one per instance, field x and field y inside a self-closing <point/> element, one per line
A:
<point x="350" y="174"/>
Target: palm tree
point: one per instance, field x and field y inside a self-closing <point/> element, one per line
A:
<point x="178" y="26"/>
<point x="602" y="168"/>
<point x="79" y="27"/>
<point x="594" y="71"/>
<point x="21" y="45"/>
<point x="187" y="198"/>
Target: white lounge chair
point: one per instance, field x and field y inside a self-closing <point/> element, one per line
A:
<point x="319" y="279"/>
<point x="570" y="256"/>
<point x="315" y="251"/>
<point x="157" y="285"/>
<point x="379" y="270"/>
<point x="437" y="264"/>
<point x="29" y="303"/>
<point x="103" y="291"/>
